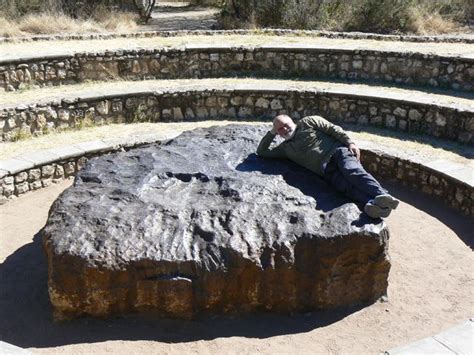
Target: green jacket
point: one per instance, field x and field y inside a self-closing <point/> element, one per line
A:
<point x="312" y="145"/>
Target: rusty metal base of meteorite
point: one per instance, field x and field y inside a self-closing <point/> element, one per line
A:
<point x="202" y="224"/>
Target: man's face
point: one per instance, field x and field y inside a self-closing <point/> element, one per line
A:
<point x="284" y="127"/>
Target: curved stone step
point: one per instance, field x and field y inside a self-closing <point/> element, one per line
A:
<point x="267" y="31"/>
<point x="413" y="64"/>
<point x="438" y="115"/>
<point x="446" y="180"/>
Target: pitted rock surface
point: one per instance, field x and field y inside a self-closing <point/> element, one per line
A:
<point x="200" y="223"/>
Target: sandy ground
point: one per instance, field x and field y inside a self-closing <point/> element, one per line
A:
<point x="431" y="288"/>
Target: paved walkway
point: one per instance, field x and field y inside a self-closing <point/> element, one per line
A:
<point x="456" y="340"/>
<point x="8" y="349"/>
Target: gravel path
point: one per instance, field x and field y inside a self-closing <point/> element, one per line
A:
<point x="172" y="16"/>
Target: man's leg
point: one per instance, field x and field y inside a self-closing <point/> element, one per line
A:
<point x="335" y="178"/>
<point x="355" y="174"/>
<point x="347" y="175"/>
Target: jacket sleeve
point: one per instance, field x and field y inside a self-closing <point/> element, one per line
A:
<point x="321" y="124"/>
<point x="264" y="150"/>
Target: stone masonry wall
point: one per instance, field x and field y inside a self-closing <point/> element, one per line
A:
<point x="437" y="121"/>
<point x="420" y="177"/>
<point x="39" y="177"/>
<point x="362" y="65"/>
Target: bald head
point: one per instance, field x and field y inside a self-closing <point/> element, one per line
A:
<point x="284" y="126"/>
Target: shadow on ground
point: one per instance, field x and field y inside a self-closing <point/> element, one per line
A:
<point x="26" y="315"/>
<point x="168" y="8"/>
<point x="459" y="224"/>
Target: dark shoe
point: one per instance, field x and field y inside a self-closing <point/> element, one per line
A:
<point x="375" y="211"/>
<point x="385" y="201"/>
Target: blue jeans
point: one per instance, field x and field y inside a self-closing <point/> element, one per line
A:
<point x="346" y="174"/>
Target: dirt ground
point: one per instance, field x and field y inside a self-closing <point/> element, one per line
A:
<point x="431" y="288"/>
<point x="172" y="16"/>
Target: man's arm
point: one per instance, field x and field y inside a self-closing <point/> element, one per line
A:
<point x="335" y="131"/>
<point x="264" y="150"/>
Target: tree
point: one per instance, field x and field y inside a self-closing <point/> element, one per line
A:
<point x="144" y="8"/>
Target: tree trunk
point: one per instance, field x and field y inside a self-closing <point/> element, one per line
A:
<point x="145" y="8"/>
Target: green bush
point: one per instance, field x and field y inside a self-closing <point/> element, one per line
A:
<point x="12" y="8"/>
<point x="75" y="8"/>
<point x="381" y="16"/>
<point x="302" y="14"/>
<point x="215" y="3"/>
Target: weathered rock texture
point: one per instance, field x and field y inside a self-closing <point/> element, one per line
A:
<point x="202" y="224"/>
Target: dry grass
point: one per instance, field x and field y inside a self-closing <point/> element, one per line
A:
<point x="425" y="22"/>
<point x="54" y="23"/>
<point x="403" y="16"/>
<point x="119" y="21"/>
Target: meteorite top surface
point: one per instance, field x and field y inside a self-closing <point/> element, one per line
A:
<point x="197" y="199"/>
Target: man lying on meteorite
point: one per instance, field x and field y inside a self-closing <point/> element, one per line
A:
<point x="327" y="150"/>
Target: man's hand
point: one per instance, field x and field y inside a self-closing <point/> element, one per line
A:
<point x="354" y="150"/>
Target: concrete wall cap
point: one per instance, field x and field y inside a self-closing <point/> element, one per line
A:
<point x="443" y="165"/>
<point x="94" y="146"/>
<point x="453" y="170"/>
<point x="68" y="152"/>
<point x="14" y="166"/>
<point x="39" y="158"/>
<point x="464" y="175"/>
<point x="8" y="59"/>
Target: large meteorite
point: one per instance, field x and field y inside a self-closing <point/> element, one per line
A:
<point x="201" y="223"/>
